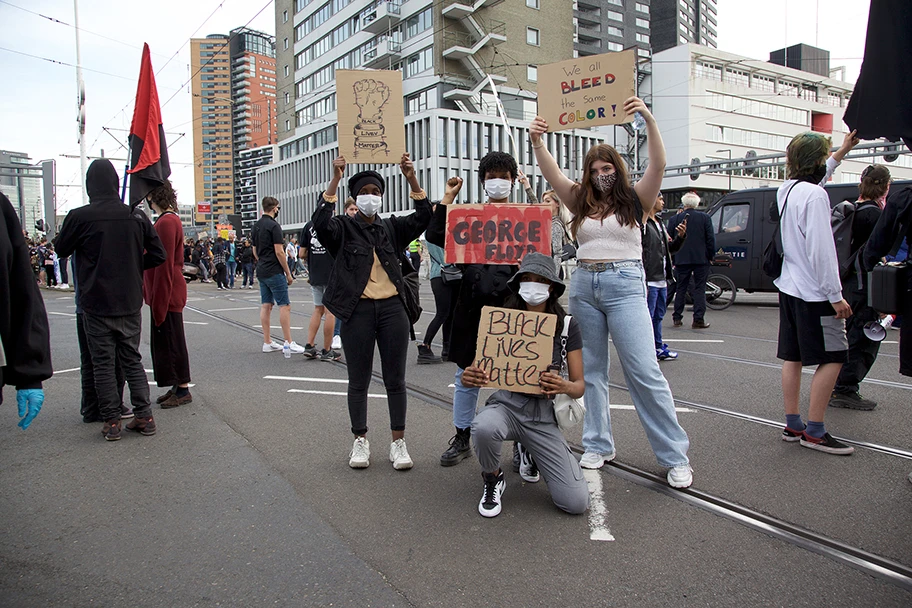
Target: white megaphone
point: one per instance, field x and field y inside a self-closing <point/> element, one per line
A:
<point x="876" y="331"/>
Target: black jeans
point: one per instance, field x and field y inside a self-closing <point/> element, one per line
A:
<point x="443" y="301"/>
<point x="113" y="339"/>
<point x="89" y="406"/>
<point x="384" y="323"/>
<point x="221" y="275"/>
<point x="862" y="351"/>
<point x="699" y="272"/>
<point x="248" y="274"/>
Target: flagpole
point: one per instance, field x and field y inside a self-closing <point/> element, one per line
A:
<point x="80" y="92"/>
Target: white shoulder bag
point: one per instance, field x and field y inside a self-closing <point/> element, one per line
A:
<point x="567" y="411"/>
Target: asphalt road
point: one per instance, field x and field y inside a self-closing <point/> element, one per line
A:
<point x="244" y="497"/>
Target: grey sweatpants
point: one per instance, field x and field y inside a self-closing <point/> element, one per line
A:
<point x="509" y="416"/>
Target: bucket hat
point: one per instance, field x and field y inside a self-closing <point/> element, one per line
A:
<point x="543" y="266"/>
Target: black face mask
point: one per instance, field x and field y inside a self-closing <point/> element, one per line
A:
<point x="819" y="173"/>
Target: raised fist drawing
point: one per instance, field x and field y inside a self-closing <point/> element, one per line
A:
<point x="370" y="96"/>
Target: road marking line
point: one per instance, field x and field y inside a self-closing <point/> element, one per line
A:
<point x="63" y="371"/>
<point x="260" y="326"/>
<point x="616" y="406"/>
<point x="191" y="385"/>
<point x="230" y="309"/>
<point x="598" y="512"/>
<point x="63" y="314"/>
<point x="300" y="379"/>
<point x="685" y="340"/>
<point x="195" y="323"/>
<point x="335" y="393"/>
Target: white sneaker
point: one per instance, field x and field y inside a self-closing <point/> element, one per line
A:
<point x="359" y="457"/>
<point x="680" y="476"/>
<point x="494" y="487"/>
<point x="593" y="460"/>
<point x="64" y="286"/>
<point x="336" y="343"/>
<point x="528" y="470"/>
<point x="399" y="456"/>
<point x="296" y="349"/>
<point x="272" y="347"/>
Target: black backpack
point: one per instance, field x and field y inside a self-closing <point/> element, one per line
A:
<point x="842" y="220"/>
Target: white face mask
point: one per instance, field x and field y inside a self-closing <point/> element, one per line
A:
<point x="369" y="204"/>
<point x="498" y="188"/>
<point x="534" y="293"/>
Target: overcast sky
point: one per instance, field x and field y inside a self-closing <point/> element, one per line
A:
<point x="38" y="98"/>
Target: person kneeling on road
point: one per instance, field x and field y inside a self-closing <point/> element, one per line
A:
<point x="529" y="419"/>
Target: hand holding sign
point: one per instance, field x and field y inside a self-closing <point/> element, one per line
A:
<point x="514" y="348"/>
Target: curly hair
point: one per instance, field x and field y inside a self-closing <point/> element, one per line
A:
<point x="805" y="153"/>
<point x="875" y="181"/>
<point x="591" y="202"/>
<point x="496" y="162"/>
<point x="164" y="197"/>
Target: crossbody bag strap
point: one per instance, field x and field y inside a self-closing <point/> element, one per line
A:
<point x="782" y="215"/>
<point x="564" y="335"/>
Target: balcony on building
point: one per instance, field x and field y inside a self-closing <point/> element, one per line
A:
<point x="383" y="53"/>
<point x="381" y="17"/>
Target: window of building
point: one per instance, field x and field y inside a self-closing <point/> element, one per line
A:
<point x="683" y="40"/>
<point x="615" y="15"/>
<point x="286" y="70"/>
<point x="615" y="46"/>
<point x="284" y="16"/>
<point x="643" y="8"/>
<point x="643" y="53"/>
<point x="286" y="44"/>
<point x="533" y="36"/>
<point x="288" y="125"/>
<point x="532" y="73"/>
<point x="287" y="97"/>
<point x="614" y="31"/>
<point x="533" y="4"/>
<point x="642" y="37"/>
<point x="642" y="23"/>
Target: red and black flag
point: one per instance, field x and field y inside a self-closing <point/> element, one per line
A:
<point x="149" y="166"/>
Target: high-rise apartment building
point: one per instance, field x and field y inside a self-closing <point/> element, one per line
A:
<point x="447" y="50"/>
<point x="30" y="189"/>
<point x="234" y="95"/>
<point x="602" y="26"/>
<point x="674" y="22"/>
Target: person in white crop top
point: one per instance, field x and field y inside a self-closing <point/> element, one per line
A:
<point x="608" y="293"/>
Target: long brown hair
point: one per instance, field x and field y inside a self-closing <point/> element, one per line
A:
<point x="591" y="202"/>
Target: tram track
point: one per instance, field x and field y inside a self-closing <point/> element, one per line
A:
<point x="884" y="568"/>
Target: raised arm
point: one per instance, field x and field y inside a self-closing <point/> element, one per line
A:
<point x="849" y="141"/>
<point x="562" y="184"/>
<point x="410" y="227"/>
<point x="530" y="193"/>
<point x="436" y="230"/>
<point x="328" y="227"/>
<point x="650" y="184"/>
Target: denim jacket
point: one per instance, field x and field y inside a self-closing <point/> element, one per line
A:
<point x="352" y="242"/>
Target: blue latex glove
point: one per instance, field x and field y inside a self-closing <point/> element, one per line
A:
<point x="29" y="401"/>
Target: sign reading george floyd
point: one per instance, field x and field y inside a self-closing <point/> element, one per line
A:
<point x="496" y="233"/>
<point x="515" y="347"/>
<point x="371" y="115"/>
<point x="586" y="92"/>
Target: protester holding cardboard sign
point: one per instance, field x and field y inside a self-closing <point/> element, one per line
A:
<point x="608" y="293"/>
<point x="365" y="290"/>
<point x="482" y="285"/>
<point x="516" y="414"/>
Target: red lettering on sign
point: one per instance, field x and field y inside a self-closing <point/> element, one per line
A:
<point x="496" y="234"/>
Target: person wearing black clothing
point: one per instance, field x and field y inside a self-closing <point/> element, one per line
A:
<point x="692" y="260"/>
<point x="895" y="223"/>
<point x="25" y="338"/>
<point x="366" y="290"/>
<point x="319" y="267"/>
<point x="220" y="259"/>
<point x="482" y="285"/>
<point x="245" y="255"/>
<point x="874" y="186"/>
<point x="658" y="247"/>
<point x="114" y="244"/>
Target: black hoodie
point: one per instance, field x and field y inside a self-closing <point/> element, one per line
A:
<point x="113" y="245"/>
<point x="24" y="333"/>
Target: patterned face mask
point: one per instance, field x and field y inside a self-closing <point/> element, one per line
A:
<point x="604" y="183"/>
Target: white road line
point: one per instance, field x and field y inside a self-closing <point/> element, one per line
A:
<point x="685" y="340"/>
<point x="63" y="371"/>
<point x="304" y="379"/>
<point x="191" y="385"/>
<point x="292" y="327"/>
<point x="615" y="406"/>
<point x="334" y="393"/>
<point x="230" y="309"/>
<point x="195" y="323"/>
<point x="63" y="314"/>
<point x="598" y="512"/>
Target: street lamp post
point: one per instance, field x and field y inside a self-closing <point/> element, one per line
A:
<point x="729" y="168"/>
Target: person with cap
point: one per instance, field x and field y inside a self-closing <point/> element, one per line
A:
<point x="529" y="419"/>
<point x="366" y="290"/>
<point x="25" y="338"/>
<point x="114" y="244"/>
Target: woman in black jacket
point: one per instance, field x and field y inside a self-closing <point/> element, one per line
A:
<point x="366" y="291"/>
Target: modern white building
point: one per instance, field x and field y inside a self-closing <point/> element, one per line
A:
<point x="186" y="214"/>
<point x="446" y="50"/>
<point x="714" y="106"/>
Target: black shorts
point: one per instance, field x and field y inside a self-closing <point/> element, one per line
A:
<point x="810" y="332"/>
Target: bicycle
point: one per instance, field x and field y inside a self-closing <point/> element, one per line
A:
<point x="720" y="290"/>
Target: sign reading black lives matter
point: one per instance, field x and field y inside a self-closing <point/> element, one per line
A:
<point x="586" y="92"/>
<point x="514" y="347"/>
